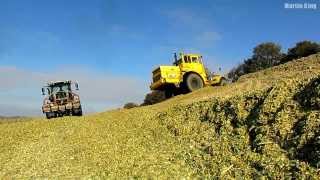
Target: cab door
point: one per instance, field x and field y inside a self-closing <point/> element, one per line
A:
<point x="193" y="63"/>
<point x="186" y="65"/>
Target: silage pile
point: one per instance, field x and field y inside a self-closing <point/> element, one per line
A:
<point x="272" y="131"/>
<point x="265" y="125"/>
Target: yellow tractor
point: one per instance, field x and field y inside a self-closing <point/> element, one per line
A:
<point x="187" y="74"/>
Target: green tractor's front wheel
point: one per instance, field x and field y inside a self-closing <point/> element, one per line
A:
<point x="77" y="112"/>
<point x="193" y="82"/>
<point x="50" y="115"/>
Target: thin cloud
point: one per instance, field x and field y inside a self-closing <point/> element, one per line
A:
<point x="123" y="31"/>
<point x="184" y="16"/>
<point x="207" y="37"/>
<point x="198" y="30"/>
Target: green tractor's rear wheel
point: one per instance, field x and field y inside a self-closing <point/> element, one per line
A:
<point x="193" y="82"/>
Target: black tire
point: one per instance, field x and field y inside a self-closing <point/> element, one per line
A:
<point x="193" y="82"/>
<point x="80" y="112"/>
<point x="177" y="91"/>
<point x="168" y="93"/>
<point x="171" y="91"/>
<point x="223" y="82"/>
<point x="77" y="112"/>
<point x="48" y="116"/>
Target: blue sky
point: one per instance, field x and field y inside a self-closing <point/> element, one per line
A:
<point x="121" y="41"/>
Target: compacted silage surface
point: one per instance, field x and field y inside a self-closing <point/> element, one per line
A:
<point x="267" y="125"/>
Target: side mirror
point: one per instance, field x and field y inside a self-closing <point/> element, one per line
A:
<point x="43" y="93"/>
<point x="77" y="86"/>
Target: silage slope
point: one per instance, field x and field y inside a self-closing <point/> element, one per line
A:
<point x="111" y="144"/>
<point x="267" y="124"/>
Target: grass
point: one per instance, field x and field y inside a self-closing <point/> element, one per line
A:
<point x="264" y="126"/>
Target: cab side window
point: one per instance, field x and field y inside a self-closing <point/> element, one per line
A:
<point x="185" y="58"/>
<point x="189" y="59"/>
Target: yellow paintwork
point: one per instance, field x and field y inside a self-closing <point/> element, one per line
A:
<point x="215" y="80"/>
<point x="174" y="74"/>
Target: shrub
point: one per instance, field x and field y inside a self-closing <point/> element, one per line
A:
<point x="301" y="49"/>
<point x="153" y="98"/>
<point x="265" y="55"/>
<point x="130" y="105"/>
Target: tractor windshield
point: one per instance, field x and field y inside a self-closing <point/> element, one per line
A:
<point x="194" y="59"/>
<point x="188" y="59"/>
<point x="61" y="87"/>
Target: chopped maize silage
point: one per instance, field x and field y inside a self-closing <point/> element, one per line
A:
<point x="271" y="132"/>
<point x="265" y="125"/>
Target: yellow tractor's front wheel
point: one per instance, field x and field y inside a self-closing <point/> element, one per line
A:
<point x="168" y="94"/>
<point x="223" y="82"/>
<point x="193" y="82"/>
<point x="170" y="91"/>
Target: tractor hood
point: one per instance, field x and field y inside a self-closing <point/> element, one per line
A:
<point x="165" y="71"/>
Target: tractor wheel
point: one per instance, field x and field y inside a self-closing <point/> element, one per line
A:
<point x="80" y="112"/>
<point x="48" y="115"/>
<point x="223" y="82"/>
<point x="77" y="112"/>
<point x="171" y="91"/>
<point x="168" y="93"/>
<point x="194" y="82"/>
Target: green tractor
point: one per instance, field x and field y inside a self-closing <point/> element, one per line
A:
<point x="61" y="100"/>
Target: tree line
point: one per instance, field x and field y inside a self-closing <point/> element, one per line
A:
<point x="269" y="54"/>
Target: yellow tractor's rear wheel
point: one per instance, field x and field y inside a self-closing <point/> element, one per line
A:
<point x="193" y="82"/>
